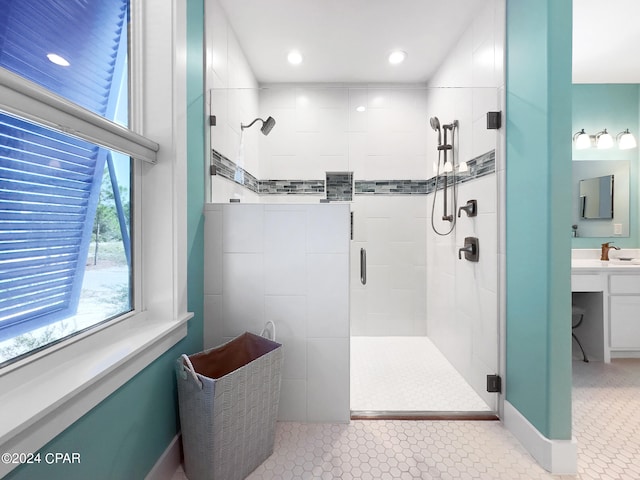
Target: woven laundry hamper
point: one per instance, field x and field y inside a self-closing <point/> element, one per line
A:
<point x="228" y="399"/>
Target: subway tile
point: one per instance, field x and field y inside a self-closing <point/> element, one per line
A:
<point x="292" y="406"/>
<point x="212" y="323"/>
<point x="285" y="232"/>
<point x="285" y="274"/>
<point x="243" y="296"/>
<point x="213" y="252"/>
<point x="242" y="228"/>
<point x="328" y="295"/>
<point x="328" y="228"/>
<point x="328" y="380"/>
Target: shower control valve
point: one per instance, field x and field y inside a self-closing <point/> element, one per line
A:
<point x="471" y="249"/>
<point x="471" y="208"/>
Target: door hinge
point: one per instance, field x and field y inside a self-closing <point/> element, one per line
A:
<point x="494" y="384"/>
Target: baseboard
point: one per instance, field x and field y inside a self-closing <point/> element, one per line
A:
<point x="560" y="457"/>
<point x="625" y="354"/>
<point x="169" y="461"/>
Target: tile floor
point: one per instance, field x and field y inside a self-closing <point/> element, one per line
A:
<point x="430" y="385"/>
<point x="606" y="424"/>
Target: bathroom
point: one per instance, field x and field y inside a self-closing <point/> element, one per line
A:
<point x="366" y="144"/>
<point x="131" y="429"/>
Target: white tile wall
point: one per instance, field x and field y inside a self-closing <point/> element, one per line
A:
<point x="321" y="131"/>
<point x="462" y="297"/>
<point x="288" y="264"/>
<point x="393" y="232"/>
<point x="232" y="93"/>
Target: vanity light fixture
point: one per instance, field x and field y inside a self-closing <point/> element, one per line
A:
<point x="582" y="140"/>
<point x="626" y="140"/>
<point x="604" y="139"/>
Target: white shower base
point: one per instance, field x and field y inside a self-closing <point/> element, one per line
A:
<point x="407" y="374"/>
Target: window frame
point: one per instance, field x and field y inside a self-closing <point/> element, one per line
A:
<point x="46" y="392"/>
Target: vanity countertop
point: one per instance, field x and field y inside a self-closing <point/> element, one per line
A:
<point x="597" y="264"/>
<point x="589" y="259"/>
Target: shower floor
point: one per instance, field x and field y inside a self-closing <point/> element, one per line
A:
<point x="407" y="374"/>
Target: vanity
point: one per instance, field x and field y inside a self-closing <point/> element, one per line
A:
<point x="608" y="292"/>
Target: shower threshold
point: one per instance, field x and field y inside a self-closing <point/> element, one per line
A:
<point x="422" y="415"/>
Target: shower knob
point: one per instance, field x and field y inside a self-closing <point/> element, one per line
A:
<point x="471" y="249"/>
<point x="471" y="208"/>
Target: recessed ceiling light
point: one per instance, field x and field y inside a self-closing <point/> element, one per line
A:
<point x="58" y="60"/>
<point x="294" y="57"/>
<point x="397" y="56"/>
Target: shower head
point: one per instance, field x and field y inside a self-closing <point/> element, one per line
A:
<point x="435" y="124"/>
<point x="267" y="125"/>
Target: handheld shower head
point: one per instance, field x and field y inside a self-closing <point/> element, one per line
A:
<point x="435" y="124"/>
<point x="267" y="125"/>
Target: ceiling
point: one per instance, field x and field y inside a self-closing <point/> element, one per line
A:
<point x="349" y="40"/>
<point x="606" y="41"/>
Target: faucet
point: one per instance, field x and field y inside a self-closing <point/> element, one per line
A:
<point x="605" y="250"/>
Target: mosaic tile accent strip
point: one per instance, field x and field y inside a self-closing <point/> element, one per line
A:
<point x="393" y="187"/>
<point x="339" y="186"/>
<point x="477" y="167"/>
<point x="480" y="166"/>
<point x="291" y="187"/>
<point x="228" y="169"/>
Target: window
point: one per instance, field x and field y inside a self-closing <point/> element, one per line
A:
<point x="72" y="376"/>
<point x="65" y="200"/>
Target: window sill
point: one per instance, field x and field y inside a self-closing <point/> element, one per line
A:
<point x="39" y="403"/>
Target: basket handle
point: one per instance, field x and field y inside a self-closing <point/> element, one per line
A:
<point x="265" y="330"/>
<point x="189" y="367"/>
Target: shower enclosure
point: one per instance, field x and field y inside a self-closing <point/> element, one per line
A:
<point x="382" y="161"/>
<point x="373" y="148"/>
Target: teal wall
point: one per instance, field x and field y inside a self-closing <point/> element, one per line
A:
<point x="538" y="210"/>
<point x="123" y="437"/>
<point x="616" y="108"/>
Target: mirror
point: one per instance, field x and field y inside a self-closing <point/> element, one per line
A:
<point x="596" y="197"/>
<point x="599" y="209"/>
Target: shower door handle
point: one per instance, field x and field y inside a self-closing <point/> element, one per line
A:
<point x="363" y="266"/>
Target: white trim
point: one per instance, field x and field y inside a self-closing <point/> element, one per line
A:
<point x="560" y="457"/>
<point x="26" y="99"/>
<point x="44" y="394"/>
<point x="168" y="463"/>
<point x="41" y="403"/>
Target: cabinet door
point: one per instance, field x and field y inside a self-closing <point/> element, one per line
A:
<point x="625" y="322"/>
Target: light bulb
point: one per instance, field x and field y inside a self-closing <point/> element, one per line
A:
<point x="294" y="57"/>
<point x="397" y="57"/>
<point x="463" y="167"/>
<point x="626" y="140"/>
<point x="604" y="140"/>
<point x="447" y="167"/>
<point x="582" y="140"/>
